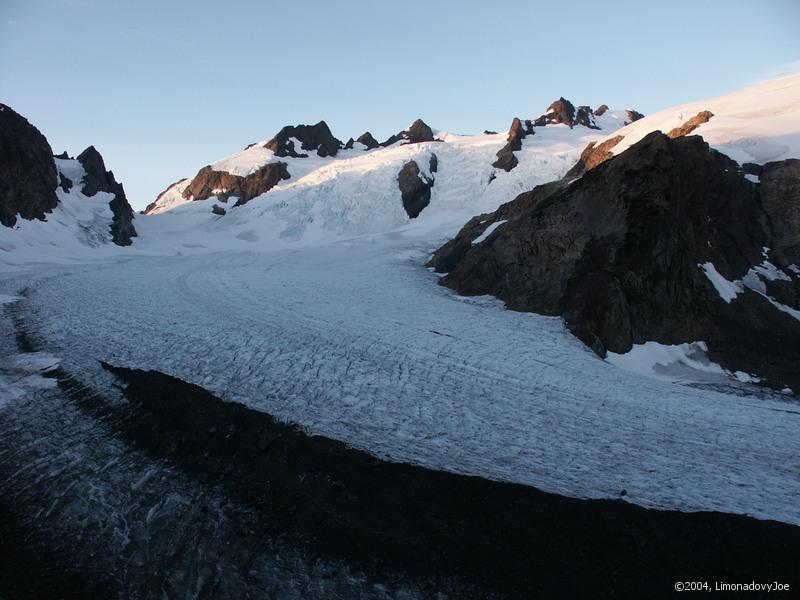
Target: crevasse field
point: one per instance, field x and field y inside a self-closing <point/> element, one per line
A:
<point x="313" y="303"/>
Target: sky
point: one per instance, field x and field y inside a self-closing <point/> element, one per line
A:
<point x="162" y="88"/>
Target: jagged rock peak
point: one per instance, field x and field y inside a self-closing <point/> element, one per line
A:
<point x="311" y="137"/>
<point x="367" y="139"/>
<point x="98" y="179"/>
<point x="633" y="115"/>
<point x="417" y="132"/>
<point x="28" y="175"/>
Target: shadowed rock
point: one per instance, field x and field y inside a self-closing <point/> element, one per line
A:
<point x="780" y="196"/>
<point x="415" y="189"/>
<point x="600" y="110"/>
<point x="98" y="179"/>
<point x="633" y="115"/>
<point x="584" y="116"/>
<point x="616" y="253"/>
<point x="418" y="132"/>
<point x="311" y="137"/>
<point x="505" y="156"/>
<point x="28" y="175"/>
<point x="367" y="139"/>
<point x="208" y="183"/>
<point x="217" y="210"/>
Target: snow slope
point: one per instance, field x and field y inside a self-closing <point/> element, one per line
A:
<point x="77" y="229"/>
<point x="356" y="192"/>
<point x="758" y="124"/>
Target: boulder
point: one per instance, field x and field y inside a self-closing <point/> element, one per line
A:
<point x="28" y="175"/>
<point x="617" y="253"/>
<point x="217" y="210"/>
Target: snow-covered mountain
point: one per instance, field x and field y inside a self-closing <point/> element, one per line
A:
<point x="51" y="204"/>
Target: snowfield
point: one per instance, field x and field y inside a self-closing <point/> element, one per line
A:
<point x="312" y="303"/>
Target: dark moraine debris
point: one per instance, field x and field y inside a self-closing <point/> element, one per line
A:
<point x="415" y="188"/>
<point x="98" y="179"/>
<point x="617" y="254"/>
<point x="208" y="183"/>
<point x="466" y="536"/>
<point x="28" y="175"/>
<point x="311" y="137"/>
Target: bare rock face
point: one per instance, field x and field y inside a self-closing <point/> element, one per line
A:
<point x="601" y="110"/>
<point x="311" y="137"/>
<point x="348" y="145"/>
<point x="560" y="111"/>
<point x="505" y="156"/>
<point x="780" y="196"/>
<point x="633" y="115"/>
<point x="28" y="175"/>
<point x="585" y="116"/>
<point x="367" y="139"/>
<point x="416" y="133"/>
<point x="594" y="155"/>
<point x="208" y="183"/>
<point x="98" y="179"/>
<point x="690" y="125"/>
<point x="616" y="253"/>
<point x="415" y="188"/>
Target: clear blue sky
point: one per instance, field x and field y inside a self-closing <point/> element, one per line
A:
<point x="163" y="88"/>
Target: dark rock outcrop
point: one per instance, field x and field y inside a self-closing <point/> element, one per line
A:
<point x="617" y="254"/>
<point x="433" y="163"/>
<point x="348" y="145"/>
<point x="98" y="179"/>
<point x="208" y="183"/>
<point x="601" y="110"/>
<point x="28" y="175"/>
<point x="311" y="137"/>
<point x="594" y="155"/>
<point x="416" y="133"/>
<point x="218" y="210"/>
<point x="64" y="182"/>
<point x="415" y="189"/>
<point x="584" y="116"/>
<point x="633" y="115"/>
<point x="690" y="125"/>
<point x="560" y="111"/>
<point x="367" y="139"/>
<point x="505" y="156"/>
<point x="780" y="196"/>
<point x="489" y="132"/>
